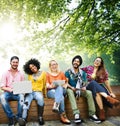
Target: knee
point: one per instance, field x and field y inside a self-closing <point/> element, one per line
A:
<point x="40" y="103"/>
<point x="70" y="92"/>
<point x="2" y="99"/>
<point x="21" y="99"/>
<point x="60" y="88"/>
<point x="94" y="82"/>
<point x="26" y="105"/>
<point x="89" y="93"/>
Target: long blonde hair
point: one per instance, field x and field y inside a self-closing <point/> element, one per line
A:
<point x="56" y="64"/>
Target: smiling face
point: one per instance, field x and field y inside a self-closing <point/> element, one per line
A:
<point x="97" y="62"/>
<point x="76" y="63"/>
<point x="33" y="68"/>
<point x="14" y="64"/>
<point x="53" y="66"/>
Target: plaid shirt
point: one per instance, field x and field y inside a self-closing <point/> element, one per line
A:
<point x="89" y="70"/>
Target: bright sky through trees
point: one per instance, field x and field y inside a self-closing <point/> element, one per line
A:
<point x="70" y="27"/>
<point x="7" y="31"/>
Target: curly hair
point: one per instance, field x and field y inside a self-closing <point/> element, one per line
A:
<point x="31" y="61"/>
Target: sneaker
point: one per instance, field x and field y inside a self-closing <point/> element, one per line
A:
<point x="95" y="119"/>
<point x="55" y="107"/>
<point x="21" y="122"/>
<point x="77" y="119"/>
<point x="11" y="122"/>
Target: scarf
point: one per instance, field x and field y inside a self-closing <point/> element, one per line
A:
<point x="78" y="77"/>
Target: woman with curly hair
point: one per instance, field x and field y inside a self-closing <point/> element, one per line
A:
<point x="99" y="85"/>
<point x="38" y="79"/>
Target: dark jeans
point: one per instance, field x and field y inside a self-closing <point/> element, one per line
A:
<point x="97" y="88"/>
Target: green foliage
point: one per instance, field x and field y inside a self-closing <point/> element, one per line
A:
<point x="90" y="26"/>
<point x="93" y="24"/>
<point x="33" y="10"/>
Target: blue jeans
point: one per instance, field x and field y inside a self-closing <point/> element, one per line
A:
<point x="38" y="96"/>
<point x="8" y="96"/>
<point x="58" y="94"/>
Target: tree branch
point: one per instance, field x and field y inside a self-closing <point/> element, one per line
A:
<point x="108" y="35"/>
<point x="64" y="20"/>
<point x="89" y="14"/>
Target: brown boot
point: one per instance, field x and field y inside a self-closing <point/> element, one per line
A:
<point x="102" y="115"/>
<point x="113" y="101"/>
<point x="64" y="118"/>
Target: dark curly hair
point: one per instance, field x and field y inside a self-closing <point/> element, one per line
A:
<point x="31" y="61"/>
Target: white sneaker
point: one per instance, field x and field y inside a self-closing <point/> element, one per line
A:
<point x="77" y="119"/>
<point x="95" y="119"/>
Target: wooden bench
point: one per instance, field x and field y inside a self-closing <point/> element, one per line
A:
<point x="49" y="115"/>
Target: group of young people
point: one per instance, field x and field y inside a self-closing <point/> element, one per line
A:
<point x="90" y="82"/>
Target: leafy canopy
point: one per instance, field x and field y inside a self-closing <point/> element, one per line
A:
<point x="89" y="25"/>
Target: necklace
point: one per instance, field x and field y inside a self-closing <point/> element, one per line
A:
<point x="36" y="75"/>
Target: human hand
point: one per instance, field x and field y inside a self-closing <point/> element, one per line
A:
<point x="93" y="76"/>
<point x="83" y="88"/>
<point x="112" y="95"/>
<point x="73" y="89"/>
<point x="78" y="93"/>
<point x="65" y="85"/>
<point x="53" y="85"/>
<point x="10" y="90"/>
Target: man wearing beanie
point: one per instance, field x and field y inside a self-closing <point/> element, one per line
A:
<point x="77" y="79"/>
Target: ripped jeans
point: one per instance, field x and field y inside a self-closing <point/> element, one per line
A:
<point x="58" y="94"/>
<point x="8" y="96"/>
<point x="38" y="96"/>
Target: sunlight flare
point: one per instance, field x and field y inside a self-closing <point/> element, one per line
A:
<point x="7" y="31"/>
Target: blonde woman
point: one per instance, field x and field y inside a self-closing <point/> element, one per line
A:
<point x="56" y="89"/>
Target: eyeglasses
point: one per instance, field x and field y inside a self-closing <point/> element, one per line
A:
<point x="54" y="64"/>
<point x="98" y="60"/>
